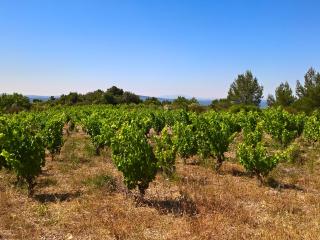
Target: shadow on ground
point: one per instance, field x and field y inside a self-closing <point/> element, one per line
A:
<point x="278" y="185"/>
<point x="183" y="205"/>
<point x="56" y="197"/>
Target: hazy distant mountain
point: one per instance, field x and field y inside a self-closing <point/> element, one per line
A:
<point x="161" y="99"/>
<point x="202" y="101"/>
<point x="43" y="98"/>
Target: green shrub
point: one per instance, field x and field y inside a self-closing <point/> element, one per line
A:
<point x="134" y="157"/>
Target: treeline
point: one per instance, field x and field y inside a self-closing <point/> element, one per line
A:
<point x="112" y="96"/>
<point x="307" y="96"/>
<point x="13" y="103"/>
<point x="244" y="93"/>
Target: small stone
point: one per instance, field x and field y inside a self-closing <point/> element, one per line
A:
<point x="69" y="236"/>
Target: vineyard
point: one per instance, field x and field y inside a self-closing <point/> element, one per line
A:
<point x="211" y="174"/>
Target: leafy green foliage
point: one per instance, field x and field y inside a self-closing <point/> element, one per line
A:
<point x="245" y="90"/>
<point x="165" y="151"/>
<point x="256" y="160"/>
<point x="184" y="103"/>
<point x="112" y="96"/>
<point x="23" y="151"/>
<point x="292" y="153"/>
<point x="283" y="126"/>
<point x="248" y="121"/>
<point x="184" y="140"/>
<point x="152" y="101"/>
<point x="253" y="155"/>
<point x="235" y="108"/>
<point x="92" y="125"/>
<point x="4" y="127"/>
<point x="308" y="93"/>
<point x="10" y="103"/>
<point x="221" y="133"/>
<point x="53" y="134"/>
<point x="283" y="96"/>
<point x="252" y="136"/>
<point x="312" y="127"/>
<point x="220" y="104"/>
<point x="134" y="157"/>
<point x="202" y="136"/>
<point x="144" y="140"/>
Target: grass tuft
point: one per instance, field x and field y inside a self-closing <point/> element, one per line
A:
<point x="102" y="181"/>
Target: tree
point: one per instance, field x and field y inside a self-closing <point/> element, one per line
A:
<point x="37" y="100"/>
<point x="283" y="96"/>
<point x="115" y="91"/>
<point x="108" y="98"/>
<point x="184" y="103"/>
<point x="95" y="97"/>
<point x="152" y="101"/>
<point x="113" y="95"/>
<point x="71" y="99"/>
<point x="309" y="93"/>
<point x="246" y="90"/>
<point x="196" y="107"/>
<point x="194" y="100"/>
<point x="181" y="102"/>
<point x="166" y="102"/>
<point x="129" y="97"/>
<point x="271" y="101"/>
<point x="14" y="103"/>
<point x="220" y="104"/>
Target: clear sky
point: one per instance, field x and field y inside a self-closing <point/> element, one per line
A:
<point x="155" y="47"/>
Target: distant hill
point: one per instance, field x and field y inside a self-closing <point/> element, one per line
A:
<point x="143" y="98"/>
<point x="43" y="98"/>
<point x="202" y="101"/>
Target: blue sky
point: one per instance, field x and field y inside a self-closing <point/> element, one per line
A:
<point x="153" y="47"/>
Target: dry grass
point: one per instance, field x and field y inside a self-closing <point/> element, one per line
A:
<point x="81" y="196"/>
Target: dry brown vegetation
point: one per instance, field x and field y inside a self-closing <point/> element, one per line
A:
<point x="81" y="196"/>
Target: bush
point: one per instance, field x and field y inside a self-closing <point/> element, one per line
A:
<point x="256" y="160"/>
<point x="23" y="152"/>
<point x="312" y="127"/>
<point x="165" y="152"/>
<point x="283" y="126"/>
<point x="243" y="107"/>
<point x="134" y="157"/>
<point x="53" y="134"/>
<point x="253" y="156"/>
<point x="184" y="140"/>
